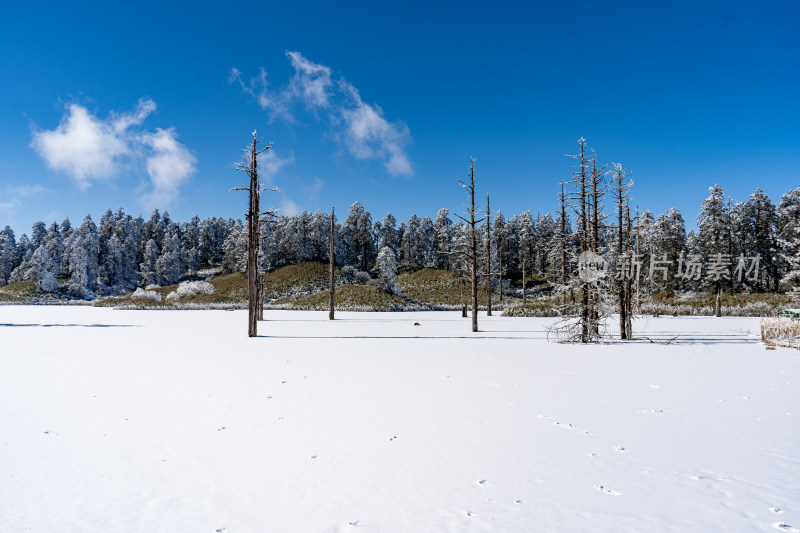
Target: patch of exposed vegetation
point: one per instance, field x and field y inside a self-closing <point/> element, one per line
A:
<point x="348" y="298"/>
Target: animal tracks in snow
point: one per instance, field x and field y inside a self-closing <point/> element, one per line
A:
<point x="605" y="489"/>
<point x="564" y="426"/>
<point x="783" y="526"/>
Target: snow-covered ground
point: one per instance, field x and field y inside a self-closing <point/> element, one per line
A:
<point x="175" y="421"/>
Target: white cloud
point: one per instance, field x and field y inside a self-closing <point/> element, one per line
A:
<point x="289" y="208"/>
<point x="122" y="121"/>
<point x="311" y="80"/>
<point x="88" y="149"/>
<point x="269" y="163"/>
<point x="27" y="191"/>
<point x="360" y="127"/>
<point x="368" y="134"/>
<point x="313" y="190"/>
<point x="83" y="146"/>
<point x="8" y="206"/>
<point x="277" y="104"/>
<point x="169" y="165"/>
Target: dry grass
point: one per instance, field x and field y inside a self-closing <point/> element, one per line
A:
<point x="780" y="332"/>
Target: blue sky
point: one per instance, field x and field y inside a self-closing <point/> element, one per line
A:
<point x="149" y="104"/>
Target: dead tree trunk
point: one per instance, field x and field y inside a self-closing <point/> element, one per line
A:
<point x="638" y="274"/>
<point x="249" y="165"/>
<point x="619" y="190"/>
<point x="563" y="244"/>
<point x="472" y="249"/>
<point x="500" y="266"/>
<point x="584" y="236"/>
<point x="629" y="279"/>
<point x="332" y="258"/>
<point x="524" y="295"/>
<point x="488" y="224"/>
<point x="260" y="292"/>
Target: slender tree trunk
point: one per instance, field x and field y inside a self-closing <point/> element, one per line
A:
<point x="253" y="216"/>
<point x="584" y="247"/>
<point x="472" y="252"/>
<point x="500" y="268"/>
<point x="638" y="301"/>
<point x="621" y="277"/>
<point x="332" y="259"/>
<point x="261" y="296"/>
<point x="253" y="243"/>
<point x="488" y="257"/>
<point x="718" y="303"/>
<point x="474" y="259"/>
<point x="629" y="283"/>
<point x="524" y="295"/>
<point x="563" y="245"/>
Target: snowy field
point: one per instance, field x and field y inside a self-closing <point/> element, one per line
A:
<point x="175" y="421"/>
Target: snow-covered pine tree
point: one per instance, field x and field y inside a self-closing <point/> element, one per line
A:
<point x="545" y="232"/>
<point x="527" y="240"/>
<point x="8" y="254"/>
<point x="42" y="271"/>
<point x="387" y="235"/>
<point x="411" y="246"/>
<point x="428" y="235"/>
<point x="235" y="250"/>
<point x="55" y="245"/>
<point x="23" y="254"/>
<point x="169" y="267"/>
<point x="788" y="237"/>
<point x="38" y="233"/>
<point x="762" y="218"/>
<point x="714" y="236"/>
<point x="318" y="236"/>
<point x="669" y="239"/>
<point x="386" y="268"/>
<point x="79" y="265"/>
<point x="147" y="269"/>
<point x="442" y="240"/>
<point x="500" y="236"/>
<point x="358" y="235"/>
<point x="190" y="237"/>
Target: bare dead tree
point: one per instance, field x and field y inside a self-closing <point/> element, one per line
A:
<point x="629" y="277"/>
<point x="249" y="164"/>
<point x="488" y="224"/>
<point x="581" y="196"/>
<point x="621" y="184"/>
<point x="597" y="190"/>
<point x="583" y="324"/>
<point x="472" y="248"/>
<point x="332" y="258"/>
<point x="638" y="255"/>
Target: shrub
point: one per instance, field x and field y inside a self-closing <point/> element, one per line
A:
<point x="142" y="294"/>
<point x="190" y="288"/>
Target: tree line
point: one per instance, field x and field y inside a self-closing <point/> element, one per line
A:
<point x="123" y="252"/>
